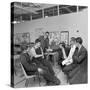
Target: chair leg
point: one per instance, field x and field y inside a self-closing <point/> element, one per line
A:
<point x="15" y="72"/>
<point x="34" y="79"/>
<point x="19" y="82"/>
<point x="27" y="82"/>
<point x="39" y="80"/>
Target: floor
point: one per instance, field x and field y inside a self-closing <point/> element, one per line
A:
<point x="58" y="72"/>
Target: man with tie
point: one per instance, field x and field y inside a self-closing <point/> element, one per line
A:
<point x="78" y="57"/>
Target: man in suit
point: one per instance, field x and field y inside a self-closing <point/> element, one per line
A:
<point x="79" y="56"/>
<point x="79" y="74"/>
<point x="81" y="53"/>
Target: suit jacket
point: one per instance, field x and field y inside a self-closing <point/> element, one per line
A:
<point x="28" y="65"/>
<point x="79" y="74"/>
<point x="80" y="56"/>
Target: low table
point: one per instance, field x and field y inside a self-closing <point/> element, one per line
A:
<point x="54" y="57"/>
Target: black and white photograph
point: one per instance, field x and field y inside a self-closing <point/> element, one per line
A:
<point x="49" y="44"/>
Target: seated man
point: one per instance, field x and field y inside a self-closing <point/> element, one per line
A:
<point x="44" y="66"/>
<point x="78" y="57"/>
<point x="65" y="53"/>
<point x="60" y="54"/>
<point x="28" y="65"/>
<point x="68" y="60"/>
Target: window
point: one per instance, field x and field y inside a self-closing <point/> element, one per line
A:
<point x="65" y="37"/>
<point x="18" y="18"/>
<point x="66" y="9"/>
<point x="38" y="15"/>
<point x="53" y="11"/>
<point x="63" y="9"/>
<point x="82" y="7"/>
<point x="26" y="17"/>
<point x="73" y="8"/>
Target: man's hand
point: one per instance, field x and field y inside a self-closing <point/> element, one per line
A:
<point x="43" y="56"/>
<point x="49" y="50"/>
<point x="40" y="70"/>
<point x="63" y="63"/>
<point x="67" y="62"/>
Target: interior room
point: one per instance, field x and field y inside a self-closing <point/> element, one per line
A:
<point x="30" y="21"/>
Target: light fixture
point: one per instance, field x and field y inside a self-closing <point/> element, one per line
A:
<point x="46" y="16"/>
<point x="15" y="22"/>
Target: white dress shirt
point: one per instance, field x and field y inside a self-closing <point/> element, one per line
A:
<point x="69" y="59"/>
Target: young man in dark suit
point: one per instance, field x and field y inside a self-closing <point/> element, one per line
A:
<point x="80" y="56"/>
<point x="81" y="53"/>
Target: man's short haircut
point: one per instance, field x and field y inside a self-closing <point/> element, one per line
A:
<point x="47" y="32"/>
<point x="73" y="39"/>
<point x="62" y="43"/>
<point x="79" y="40"/>
<point x="37" y="40"/>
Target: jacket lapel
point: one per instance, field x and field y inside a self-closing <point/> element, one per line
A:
<point x="80" y="50"/>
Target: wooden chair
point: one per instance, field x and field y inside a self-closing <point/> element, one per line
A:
<point x="28" y="77"/>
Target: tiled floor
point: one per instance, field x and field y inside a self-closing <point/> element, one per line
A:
<point x="58" y="72"/>
<point x="60" y="75"/>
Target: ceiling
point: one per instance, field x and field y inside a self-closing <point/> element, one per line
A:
<point x="23" y="8"/>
